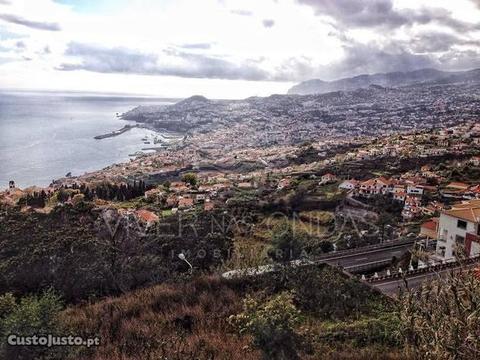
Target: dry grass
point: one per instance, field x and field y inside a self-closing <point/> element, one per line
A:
<point x="247" y="252"/>
<point x="179" y="321"/>
<point x="188" y="320"/>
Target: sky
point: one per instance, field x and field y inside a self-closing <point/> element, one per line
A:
<point x="226" y="48"/>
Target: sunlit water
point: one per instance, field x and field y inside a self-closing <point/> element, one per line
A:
<point x="46" y="136"/>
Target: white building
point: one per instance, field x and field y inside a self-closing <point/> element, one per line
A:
<point x="414" y="190"/>
<point x="459" y="229"/>
<point x="348" y="185"/>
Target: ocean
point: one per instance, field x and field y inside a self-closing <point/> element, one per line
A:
<point x="44" y="136"/>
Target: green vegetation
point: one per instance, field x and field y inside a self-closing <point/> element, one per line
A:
<point x="442" y="320"/>
<point x="287" y="244"/>
<point x="29" y="316"/>
<point x="190" y="178"/>
<point x="276" y="316"/>
<point x="271" y="324"/>
<point x="84" y="252"/>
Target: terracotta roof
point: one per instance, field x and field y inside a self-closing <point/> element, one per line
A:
<point x="467" y="204"/>
<point x="469" y="214"/>
<point x="431" y="225"/>
<point x="147" y="216"/>
<point x="370" y="182"/>
<point x="185" y="202"/>
<point x="458" y="185"/>
<point x="384" y="180"/>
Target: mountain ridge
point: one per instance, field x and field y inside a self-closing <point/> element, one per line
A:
<point x="392" y="79"/>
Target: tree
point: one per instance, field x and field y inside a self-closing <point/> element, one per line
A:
<point x="287" y="244"/>
<point x="32" y="315"/>
<point x="167" y="185"/>
<point x="442" y="319"/>
<point x="272" y="325"/>
<point x="190" y="178"/>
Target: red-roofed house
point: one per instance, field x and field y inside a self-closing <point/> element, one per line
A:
<point x="429" y="229"/>
<point x="377" y="186"/>
<point x="454" y="226"/>
<point x="146" y="216"/>
<point x="185" y="203"/>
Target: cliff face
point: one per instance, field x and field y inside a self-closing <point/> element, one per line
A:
<point x="394" y="79"/>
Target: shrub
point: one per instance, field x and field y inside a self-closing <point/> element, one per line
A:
<point x="287" y="243"/>
<point x="32" y="315"/>
<point x="271" y="325"/>
<point x="442" y="320"/>
<point x="190" y="178"/>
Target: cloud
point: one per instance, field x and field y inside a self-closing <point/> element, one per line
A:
<point x="368" y="58"/>
<point x="203" y="46"/>
<point x="14" y="19"/>
<point x="434" y="42"/>
<point x="268" y="23"/>
<point x="461" y="60"/>
<point x="5" y="2"/>
<point x="6" y="60"/>
<point x="382" y="13"/>
<point x="241" y="12"/>
<point x="171" y="63"/>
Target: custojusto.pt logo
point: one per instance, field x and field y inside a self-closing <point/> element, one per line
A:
<point x="50" y="340"/>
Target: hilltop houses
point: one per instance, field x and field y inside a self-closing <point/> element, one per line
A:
<point x="377" y="186"/>
<point x="407" y="190"/>
<point x="459" y="228"/>
<point x="348" y="185"/>
<point x="328" y="179"/>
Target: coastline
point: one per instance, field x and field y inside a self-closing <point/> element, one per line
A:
<point x="117" y="132"/>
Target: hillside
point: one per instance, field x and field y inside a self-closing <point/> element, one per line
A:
<point x="393" y="79"/>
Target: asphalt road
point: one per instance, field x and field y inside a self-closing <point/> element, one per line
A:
<point x="369" y="257"/>
<point x="394" y="287"/>
<point x="347" y="261"/>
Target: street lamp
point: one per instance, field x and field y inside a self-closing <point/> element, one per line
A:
<point x="182" y="257"/>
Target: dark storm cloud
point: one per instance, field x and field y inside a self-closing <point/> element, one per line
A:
<point x="268" y="23"/>
<point x="242" y="12"/>
<point x="381" y="13"/>
<point x="14" y="19"/>
<point x="184" y="64"/>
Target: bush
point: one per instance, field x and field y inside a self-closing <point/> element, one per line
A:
<point x="327" y="293"/>
<point x="33" y="315"/>
<point x="287" y="243"/>
<point x="271" y="325"/>
<point x="190" y="178"/>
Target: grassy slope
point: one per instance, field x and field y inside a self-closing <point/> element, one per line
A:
<point x="154" y="323"/>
